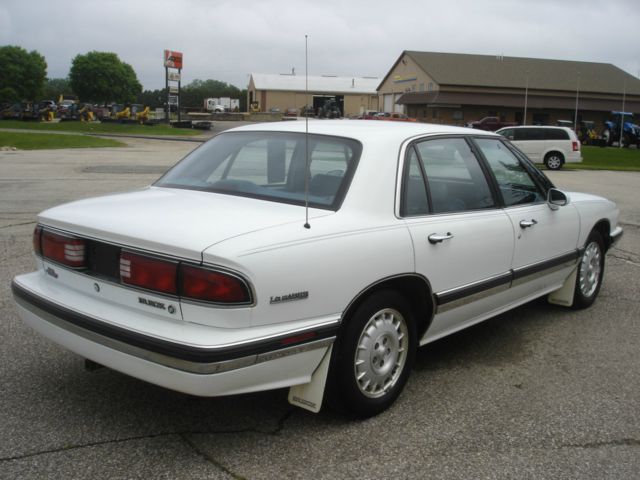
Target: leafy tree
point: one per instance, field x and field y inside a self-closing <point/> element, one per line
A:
<point x="102" y="77"/>
<point x="54" y="87"/>
<point x="22" y="73"/>
<point x="193" y="94"/>
<point x="153" y="98"/>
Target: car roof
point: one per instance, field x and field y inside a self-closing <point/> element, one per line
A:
<point x="362" y="130"/>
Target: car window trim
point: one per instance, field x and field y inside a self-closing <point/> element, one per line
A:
<point x="497" y="199"/>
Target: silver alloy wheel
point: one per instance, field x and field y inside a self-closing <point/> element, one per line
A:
<point x="381" y="353"/>
<point x="554" y="162"/>
<point x="590" y="269"/>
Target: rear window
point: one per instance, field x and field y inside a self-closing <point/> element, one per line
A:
<point x="270" y="166"/>
<point x="555" y="134"/>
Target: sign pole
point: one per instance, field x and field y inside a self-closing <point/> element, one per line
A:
<point x="179" y="80"/>
<point x="166" y="83"/>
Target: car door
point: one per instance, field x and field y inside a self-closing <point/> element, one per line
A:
<point x="545" y="238"/>
<point x="531" y="141"/>
<point x="463" y="241"/>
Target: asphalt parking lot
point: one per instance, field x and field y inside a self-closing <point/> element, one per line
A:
<point x="539" y="392"/>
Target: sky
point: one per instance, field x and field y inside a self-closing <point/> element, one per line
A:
<point x="229" y="39"/>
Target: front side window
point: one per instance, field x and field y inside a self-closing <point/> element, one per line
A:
<point x="516" y="184"/>
<point x="454" y="179"/>
<point x="270" y="166"/>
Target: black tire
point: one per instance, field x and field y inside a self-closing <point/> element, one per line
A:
<point x="590" y="272"/>
<point x="554" y="160"/>
<point x="384" y="327"/>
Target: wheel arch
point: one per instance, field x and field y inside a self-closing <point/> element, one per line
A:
<point x="603" y="227"/>
<point x="415" y="288"/>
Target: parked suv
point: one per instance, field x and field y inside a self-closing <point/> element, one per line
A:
<point x="553" y="146"/>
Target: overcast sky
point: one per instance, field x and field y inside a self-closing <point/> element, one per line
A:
<point x="229" y="39"/>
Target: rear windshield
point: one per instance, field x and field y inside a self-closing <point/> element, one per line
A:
<point x="270" y="166"/>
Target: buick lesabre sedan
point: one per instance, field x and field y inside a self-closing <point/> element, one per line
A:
<point x="273" y="257"/>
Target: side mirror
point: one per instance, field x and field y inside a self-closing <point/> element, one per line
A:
<point x="556" y="199"/>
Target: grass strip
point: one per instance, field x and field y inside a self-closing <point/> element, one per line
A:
<point x="45" y="141"/>
<point x="97" y="127"/>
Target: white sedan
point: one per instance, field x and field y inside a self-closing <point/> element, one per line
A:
<point x="274" y="257"/>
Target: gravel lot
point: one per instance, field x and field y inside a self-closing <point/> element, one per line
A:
<point x="540" y="392"/>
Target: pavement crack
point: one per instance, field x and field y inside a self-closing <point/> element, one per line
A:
<point x="629" y="257"/>
<point x="622" y="442"/>
<point x="17" y="225"/>
<point x="209" y="458"/>
<point x="182" y="434"/>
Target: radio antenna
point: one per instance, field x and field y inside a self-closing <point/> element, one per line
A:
<point x="306" y="135"/>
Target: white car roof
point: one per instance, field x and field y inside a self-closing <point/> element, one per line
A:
<point x="363" y="130"/>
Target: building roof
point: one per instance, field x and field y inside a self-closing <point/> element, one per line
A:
<point x="317" y="84"/>
<point x="514" y="72"/>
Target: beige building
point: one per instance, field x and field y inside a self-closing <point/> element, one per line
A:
<point x="352" y="95"/>
<point x="457" y="88"/>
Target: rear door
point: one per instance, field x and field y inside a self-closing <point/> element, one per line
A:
<point x="463" y="241"/>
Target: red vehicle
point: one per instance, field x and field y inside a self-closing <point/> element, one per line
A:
<point x="395" y="117"/>
<point x="491" y="124"/>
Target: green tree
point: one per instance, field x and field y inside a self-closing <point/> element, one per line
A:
<point x="193" y="94"/>
<point x="22" y="74"/>
<point x="102" y="77"/>
<point x="54" y="87"/>
<point x="152" y="98"/>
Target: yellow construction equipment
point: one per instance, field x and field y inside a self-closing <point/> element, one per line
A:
<point x="125" y="113"/>
<point x="143" y="116"/>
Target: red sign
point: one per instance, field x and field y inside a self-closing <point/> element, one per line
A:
<point x="172" y="59"/>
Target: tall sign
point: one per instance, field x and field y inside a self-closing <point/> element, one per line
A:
<point x="172" y="60"/>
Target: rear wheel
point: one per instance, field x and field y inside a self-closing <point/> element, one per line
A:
<point x="590" y="272"/>
<point x="554" y="160"/>
<point x="373" y="355"/>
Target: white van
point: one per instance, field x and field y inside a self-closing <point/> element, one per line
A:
<point x="553" y="146"/>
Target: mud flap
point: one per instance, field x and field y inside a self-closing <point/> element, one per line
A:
<point x="309" y="395"/>
<point x="564" y="295"/>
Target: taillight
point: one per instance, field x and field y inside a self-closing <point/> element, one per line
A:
<point x="576" y="146"/>
<point x="66" y="250"/>
<point x="212" y="286"/>
<point x="37" y="240"/>
<point x="149" y="272"/>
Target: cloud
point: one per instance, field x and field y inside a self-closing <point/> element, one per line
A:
<point x="227" y="40"/>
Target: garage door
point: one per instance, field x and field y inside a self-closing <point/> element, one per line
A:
<point x="388" y="103"/>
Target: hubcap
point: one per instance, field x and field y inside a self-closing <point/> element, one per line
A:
<point x="381" y="353"/>
<point x="554" y="162"/>
<point x="590" y="269"/>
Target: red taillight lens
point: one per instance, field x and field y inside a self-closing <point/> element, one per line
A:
<point x="148" y="272"/>
<point x="209" y="286"/>
<point x="576" y="146"/>
<point x="62" y="249"/>
<point x="37" y="240"/>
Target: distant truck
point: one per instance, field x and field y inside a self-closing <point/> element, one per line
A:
<point x="490" y="124"/>
<point x="222" y="104"/>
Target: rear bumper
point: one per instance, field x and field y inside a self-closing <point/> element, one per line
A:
<point x="277" y="360"/>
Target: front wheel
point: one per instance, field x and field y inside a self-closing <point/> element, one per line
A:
<point x="590" y="272"/>
<point x="374" y="355"/>
<point x="554" y="160"/>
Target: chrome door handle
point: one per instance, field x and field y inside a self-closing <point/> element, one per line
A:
<point x="527" y="223"/>
<point x="435" y="238"/>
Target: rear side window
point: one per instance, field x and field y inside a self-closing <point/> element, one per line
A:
<point x="555" y="134"/>
<point x="529" y="134"/>
<point x="454" y="179"/>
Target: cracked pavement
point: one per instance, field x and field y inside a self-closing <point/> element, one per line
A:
<point x="539" y="392"/>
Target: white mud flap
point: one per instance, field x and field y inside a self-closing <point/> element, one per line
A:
<point x="564" y="295"/>
<point x="309" y="395"/>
